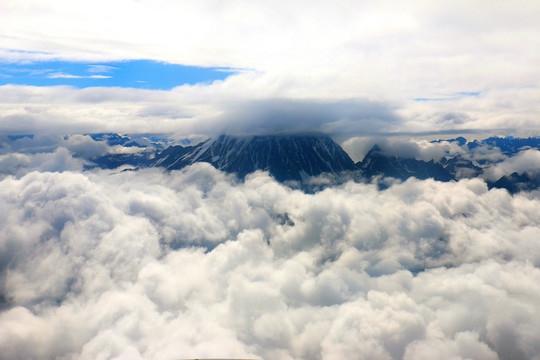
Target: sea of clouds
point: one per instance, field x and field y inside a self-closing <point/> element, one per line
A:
<point x="195" y="263"/>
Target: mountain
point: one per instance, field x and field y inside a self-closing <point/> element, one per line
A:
<point x="286" y="157"/>
<point x="517" y="182"/>
<point x="376" y="163"/>
<point x="460" y="168"/>
<point x="508" y="145"/>
<point x="300" y="156"/>
<point x="460" y="140"/>
<point x="113" y="161"/>
<point x="132" y="140"/>
<point x="145" y="147"/>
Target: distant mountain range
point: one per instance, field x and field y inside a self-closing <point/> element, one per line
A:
<point x="300" y="157"/>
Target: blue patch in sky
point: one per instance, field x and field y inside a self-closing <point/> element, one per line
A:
<point x="455" y="96"/>
<point x="465" y="93"/>
<point x="144" y="74"/>
<point x="428" y="99"/>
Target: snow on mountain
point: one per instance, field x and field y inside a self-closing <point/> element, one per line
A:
<point x="286" y="157"/>
<point x="299" y="157"/>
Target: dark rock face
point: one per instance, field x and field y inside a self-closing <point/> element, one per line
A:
<point x="510" y="145"/>
<point x="460" y="168"/>
<point x="176" y="157"/>
<point x="286" y="157"/>
<point x="113" y="161"/>
<point x="516" y="182"/>
<point x="376" y="163"/>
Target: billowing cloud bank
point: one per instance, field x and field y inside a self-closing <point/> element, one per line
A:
<point x="193" y="263"/>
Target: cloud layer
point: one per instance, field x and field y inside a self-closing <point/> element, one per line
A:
<point x="244" y="104"/>
<point x="438" y="67"/>
<point x="185" y="111"/>
<point x="194" y="263"/>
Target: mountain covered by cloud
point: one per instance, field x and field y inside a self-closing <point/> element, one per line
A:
<point x="508" y="163"/>
<point x="198" y="263"/>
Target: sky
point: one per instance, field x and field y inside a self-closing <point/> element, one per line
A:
<point x="146" y="74"/>
<point x="460" y="67"/>
<point x="196" y="263"/>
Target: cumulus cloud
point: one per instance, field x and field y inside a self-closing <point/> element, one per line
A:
<point x="82" y="145"/>
<point x="195" y="263"/>
<point x="55" y="153"/>
<point x="525" y="161"/>
<point x="59" y="160"/>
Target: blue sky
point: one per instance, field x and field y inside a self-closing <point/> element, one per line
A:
<point x="455" y="96"/>
<point x="146" y="74"/>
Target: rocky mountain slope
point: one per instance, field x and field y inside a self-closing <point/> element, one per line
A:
<point x="286" y="157"/>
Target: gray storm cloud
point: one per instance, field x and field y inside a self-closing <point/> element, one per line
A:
<point x="194" y="263"/>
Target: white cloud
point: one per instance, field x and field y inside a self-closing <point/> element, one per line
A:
<point x="525" y="161"/>
<point x="420" y="149"/>
<point x="386" y="53"/>
<point x="100" y="68"/>
<point x="193" y="263"/>
<point x="19" y="164"/>
<point x="52" y="153"/>
<point x="71" y="76"/>
<point x="185" y="110"/>
<point x="58" y="75"/>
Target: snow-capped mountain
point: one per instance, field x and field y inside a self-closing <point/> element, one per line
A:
<point x="286" y="157"/>
<point x="301" y="156"/>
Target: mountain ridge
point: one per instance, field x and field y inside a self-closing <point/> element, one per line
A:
<point x="302" y="156"/>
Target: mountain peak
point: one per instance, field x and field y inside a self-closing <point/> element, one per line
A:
<point x="286" y="156"/>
